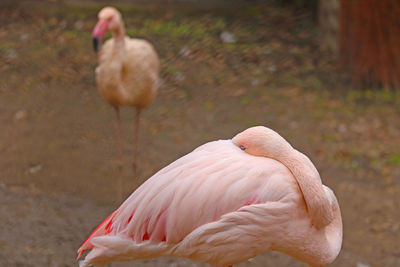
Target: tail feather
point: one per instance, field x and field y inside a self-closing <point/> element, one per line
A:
<point x="116" y="248"/>
<point x="104" y="228"/>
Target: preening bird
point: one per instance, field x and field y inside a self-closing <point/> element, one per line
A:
<point x="127" y="71"/>
<point x="223" y="203"/>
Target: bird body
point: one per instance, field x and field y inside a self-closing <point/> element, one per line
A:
<point x="126" y="75"/>
<point x="220" y="204"/>
<point x="127" y="72"/>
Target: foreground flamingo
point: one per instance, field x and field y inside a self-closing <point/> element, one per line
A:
<point x="127" y="72"/>
<point x="223" y="203"/>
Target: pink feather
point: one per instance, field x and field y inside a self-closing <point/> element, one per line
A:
<point x="221" y="205"/>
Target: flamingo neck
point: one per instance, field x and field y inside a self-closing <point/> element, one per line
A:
<point x="261" y="141"/>
<point x="119" y="37"/>
<point x="307" y="176"/>
<point x="317" y="247"/>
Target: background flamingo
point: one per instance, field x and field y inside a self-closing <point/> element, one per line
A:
<point x="127" y="73"/>
<point x="223" y="203"/>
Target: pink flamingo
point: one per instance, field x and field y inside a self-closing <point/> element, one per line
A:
<point x="224" y="203"/>
<point x="127" y="72"/>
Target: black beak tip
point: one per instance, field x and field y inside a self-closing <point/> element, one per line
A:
<point x="95" y="44"/>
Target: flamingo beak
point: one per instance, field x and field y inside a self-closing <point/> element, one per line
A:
<point x="98" y="32"/>
<point x="95" y="41"/>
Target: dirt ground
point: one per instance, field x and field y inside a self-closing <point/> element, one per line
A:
<point x="57" y="147"/>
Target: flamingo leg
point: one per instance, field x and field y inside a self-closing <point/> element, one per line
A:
<point x="136" y="141"/>
<point x="119" y="152"/>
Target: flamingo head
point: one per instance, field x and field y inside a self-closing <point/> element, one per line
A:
<point x="262" y="141"/>
<point x="109" y="19"/>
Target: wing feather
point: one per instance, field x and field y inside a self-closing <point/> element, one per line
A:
<point x="215" y="179"/>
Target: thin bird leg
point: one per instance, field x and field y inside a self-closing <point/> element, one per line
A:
<point x="119" y="151"/>
<point x="136" y="142"/>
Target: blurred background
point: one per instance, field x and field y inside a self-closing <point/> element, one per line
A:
<point x="324" y="74"/>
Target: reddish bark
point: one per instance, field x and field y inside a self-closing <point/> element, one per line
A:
<point x="370" y="41"/>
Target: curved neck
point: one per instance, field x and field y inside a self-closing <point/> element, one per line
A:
<point x="318" y="247"/>
<point x="307" y="176"/>
<point x="119" y="37"/>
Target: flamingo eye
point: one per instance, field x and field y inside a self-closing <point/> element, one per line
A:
<point x="242" y="147"/>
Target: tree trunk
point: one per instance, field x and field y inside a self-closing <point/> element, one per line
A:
<point x="370" y="42"/>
